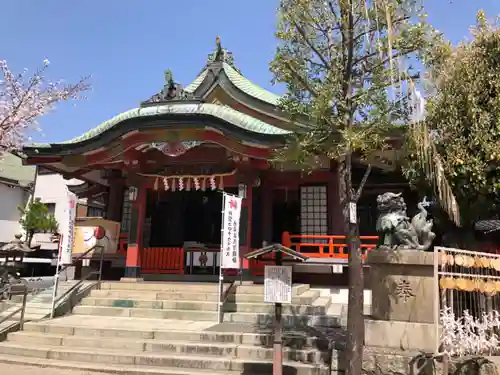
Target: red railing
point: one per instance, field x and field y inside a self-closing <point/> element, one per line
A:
<point x="163" y="260"/>
<point x="324" y="246"/>
<point x="171" y="260"/>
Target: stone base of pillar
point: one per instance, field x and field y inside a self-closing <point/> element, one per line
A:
<point x="405" y="336"/>
<point x="131" y="279"/>
<point x="403" y="294"/>
<point x="132" y="272"/>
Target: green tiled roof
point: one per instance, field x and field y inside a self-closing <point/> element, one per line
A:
<point x="193" y="85"/>
<point x="249" y="87"/>
<point x="243" y="84"/>
<point x="225" y="113"/>
<point x="12" y="168"/>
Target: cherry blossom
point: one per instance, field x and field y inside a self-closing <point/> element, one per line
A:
<point x="24" y="99"/>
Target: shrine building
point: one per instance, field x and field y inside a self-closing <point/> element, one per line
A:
<point x="161" y="168"/>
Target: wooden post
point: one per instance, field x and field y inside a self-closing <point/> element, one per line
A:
<point x="134" y="249"/>
<point x="267" y="208"/>
<point x="278" y="341"/>
<point x="115" y="196"/>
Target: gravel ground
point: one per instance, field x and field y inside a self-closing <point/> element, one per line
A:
<point x="7" y="369"/>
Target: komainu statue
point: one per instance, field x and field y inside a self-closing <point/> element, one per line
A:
<point x="396" y="230"/>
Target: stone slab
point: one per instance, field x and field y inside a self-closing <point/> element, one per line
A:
<point x="307" y="297"/>
<point x="40" y="366"/>
<point x="237" y="333"/>
<point x="190" y="362"/>
<point x="241" y="351"/>
<point x="319" y="306"/>
<point x="400" y="335"/>
<point x="403" y="285"/>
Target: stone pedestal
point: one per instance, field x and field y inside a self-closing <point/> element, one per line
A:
<point x="402" y="284"/>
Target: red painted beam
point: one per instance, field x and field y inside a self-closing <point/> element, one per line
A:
<point x="40" y="160"/>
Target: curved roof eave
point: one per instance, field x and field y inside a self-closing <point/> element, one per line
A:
<point x="225" y="114"/>
<point x="242" y="83"/>
<point x="237" y="86"/>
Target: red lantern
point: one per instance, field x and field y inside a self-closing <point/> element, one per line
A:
<point x="99" y="233"/>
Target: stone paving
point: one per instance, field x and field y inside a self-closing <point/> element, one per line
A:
<point x="8" y="369"/>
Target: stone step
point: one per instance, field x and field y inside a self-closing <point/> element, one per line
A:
<point x="340" y="309"/>
<point x="129" y="358"/>
<point x="27" y="316"/>
<point x="233" y="317"/>
<point x="146" y="313"/>
<point x="32" y="307"/>
<point x="8" y="326"/>
<point x="297" y="289"/>
<point x="290" y="320"/>
<point x="125" y="370"/>
<point x="305" y="298"/>
<point x="295" y="339"/>
<point x="85" y="367"/>
<point x="320" y="306"/>
<point x="307" y="355"/>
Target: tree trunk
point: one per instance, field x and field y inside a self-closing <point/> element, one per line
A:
<point x="355" y="318"/>
<point x="29" y="237"/>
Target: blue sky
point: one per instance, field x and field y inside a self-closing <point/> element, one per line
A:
<point x="127" y="44"/>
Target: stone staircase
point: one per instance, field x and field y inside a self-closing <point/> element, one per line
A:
<point x="171" y="328"/>
<point x="37" y="306"/>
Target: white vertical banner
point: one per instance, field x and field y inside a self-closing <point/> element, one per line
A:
<point x="230" y="244"/>
<point x="68" y="229"/>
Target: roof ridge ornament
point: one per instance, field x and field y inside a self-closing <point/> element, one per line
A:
<point x="171" y="92"/>
<point x="221" y="55"/>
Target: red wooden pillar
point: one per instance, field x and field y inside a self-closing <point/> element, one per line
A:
<point x="134" y="250"/>
<point x="267" y="208"/>
<point x="335" y="215"/>
<point x="246" y="212"/>
<point x="115" y="197"/>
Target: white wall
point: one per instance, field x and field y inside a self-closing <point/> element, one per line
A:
<point x="52" y="188"/>
<point x="11" y="198"/>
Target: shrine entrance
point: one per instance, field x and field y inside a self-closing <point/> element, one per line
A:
<point x="176" y="218"/>
<point x="182" y="232"/>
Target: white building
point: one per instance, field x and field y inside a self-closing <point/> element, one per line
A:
<point x="16" y="184"/>
<point x="52" y="190"/>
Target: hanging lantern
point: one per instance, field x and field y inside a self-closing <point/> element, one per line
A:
<point x="221" y="183"/>
<point x="196" y="183"/>
<point x="155" y="186"/>
<point x="203" y="184"/>
<point x="165" y="183"/>
<point x="213" y="185"/>
<point x="181" y="184"/>
<point x="188" y="184"/>
<point x="173" y="184"/>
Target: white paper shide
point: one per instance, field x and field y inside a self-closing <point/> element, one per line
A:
<point x="230" y="244"/>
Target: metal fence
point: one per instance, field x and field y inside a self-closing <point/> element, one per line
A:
<point x="467" y="302"/>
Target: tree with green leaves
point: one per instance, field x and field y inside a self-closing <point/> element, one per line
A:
<point x="463" y="116"/>
<point x="346" y="65"/>
<point x="37" y="219"/>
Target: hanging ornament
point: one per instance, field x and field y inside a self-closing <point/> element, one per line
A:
<point x="181" y="184"/>
<point x="221" y="183"/>
<point x="213" y="185"/>
<point x="165" y="183"/>
<point x="196" y="183"/>
<point x="173" y="184"/>
<point x="188" y="184"/>
<point x="203" y="184"/>
<point x="155" y="186"/>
